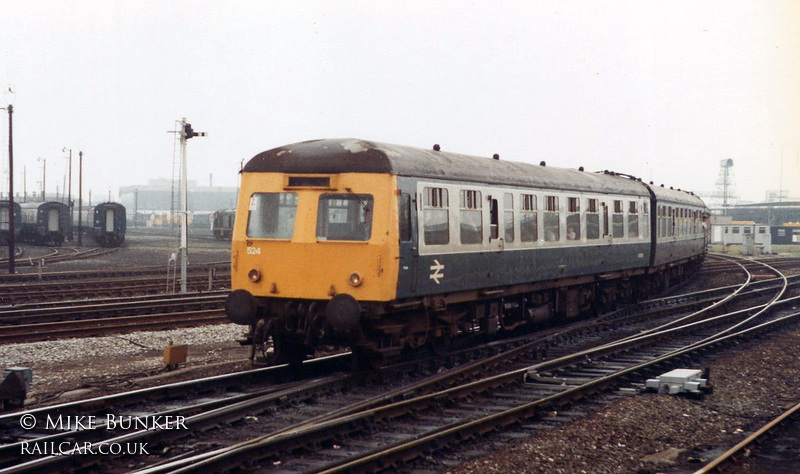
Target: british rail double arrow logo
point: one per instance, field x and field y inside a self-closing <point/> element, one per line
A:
<point x="437" y="271"/>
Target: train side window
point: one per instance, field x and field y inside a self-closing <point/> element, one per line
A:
<point x="436" y="217"/>
<point x="633" y="219"/>
<point x="734" y="230"/>
<point x="344" y="217"/>
<point x="272" y="215"/>
<point x="573" y="218"/>
<point x="471" y="217"/>
<point x="404" y="217"/>
<point x="528" y="222"/>
<point x="617" y="221"/>
<point x="508" y="216"/>
<point x="551" y="225"/>
<point x="673" y="212"/>
<point x="592" y="220"/>
<point x="644" y="225"/>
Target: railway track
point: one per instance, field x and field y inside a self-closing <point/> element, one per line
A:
<point x="29" y="323"/>
<point x="59" y="254"/>
<point x="64" y="276"/>
<point x="339" y="427"/>
<point x="753" y="449"/>
<point x="112" y="284"/>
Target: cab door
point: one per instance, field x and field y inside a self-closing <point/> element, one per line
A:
<point x="409" y="249"/>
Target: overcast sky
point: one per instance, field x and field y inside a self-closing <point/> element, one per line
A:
<point x="660" y="90"/>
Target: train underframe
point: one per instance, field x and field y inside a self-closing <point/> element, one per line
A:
<point x="288" y="331"/>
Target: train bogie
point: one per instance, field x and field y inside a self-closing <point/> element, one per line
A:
<point x="383" y="248"/>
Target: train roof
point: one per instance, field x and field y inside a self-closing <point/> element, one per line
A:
<point x="360" y="156"/>
<point x="37" y="204"/>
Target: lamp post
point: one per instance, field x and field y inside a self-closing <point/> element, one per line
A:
<point x="11" y="241"/>
<point x="80" y="198"/>
<point x="44" y="176"/>
<point x="69" y="185"/>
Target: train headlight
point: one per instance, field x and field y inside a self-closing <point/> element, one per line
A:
<point x="355" y="279"/>
<point x="254" y="275"/>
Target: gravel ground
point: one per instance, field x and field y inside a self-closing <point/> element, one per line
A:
<point x="649" y="433"/>
<point x="644" y="433"/>
<point x="67" y="369"/>
<point x="71" y="368"/>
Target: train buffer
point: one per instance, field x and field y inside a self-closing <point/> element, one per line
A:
<point x="680" y="381"/>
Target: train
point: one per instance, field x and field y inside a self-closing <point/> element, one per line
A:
<point x="222" y="223"/>
<point x="5" y="223"/>
<point x="105" y="223"/>
<point x="45" y="223"/>
<point x="383" y="249"/>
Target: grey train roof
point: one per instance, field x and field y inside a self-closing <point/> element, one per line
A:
<point x="330" y="156"/>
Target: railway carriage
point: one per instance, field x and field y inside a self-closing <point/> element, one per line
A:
<point x="383" y="248"/>
<point x="222" y="223"/>
<point x="45" y="223"/>
<point x="105" y="223"/>
<point x="5" y="222"/>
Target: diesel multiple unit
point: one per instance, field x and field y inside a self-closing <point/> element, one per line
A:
<point x="382" y="247"/>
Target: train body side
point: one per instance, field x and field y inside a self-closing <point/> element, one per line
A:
<point x="506" y="254"/>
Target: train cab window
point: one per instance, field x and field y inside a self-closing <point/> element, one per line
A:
<point x="436" y="217"/>
<point x="404" y="217"/>
<point x="508" y="217"/>
<point x="528" y="222"/>
<point x="592" y="220"/>
<point x="272" y="215"/>
<point x="5" y="222"/>
<point x="471" y="217"/>
<point x="617" y="221"/>
<point x="551" y="228"/>
<point x="344" y="217"/>
<point x="573" y="218"/>
<point x="633" y="219"/>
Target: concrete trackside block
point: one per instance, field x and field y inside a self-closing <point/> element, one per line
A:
<point x="677" y="381"/>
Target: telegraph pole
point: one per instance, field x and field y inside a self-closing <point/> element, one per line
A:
<point x="186" y="133"/>
<point x="11" y="242"/>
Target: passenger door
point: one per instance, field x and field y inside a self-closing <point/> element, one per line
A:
<point x="496" y="241"/>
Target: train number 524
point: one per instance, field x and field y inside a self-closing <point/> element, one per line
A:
<point x="253" y="251"/>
